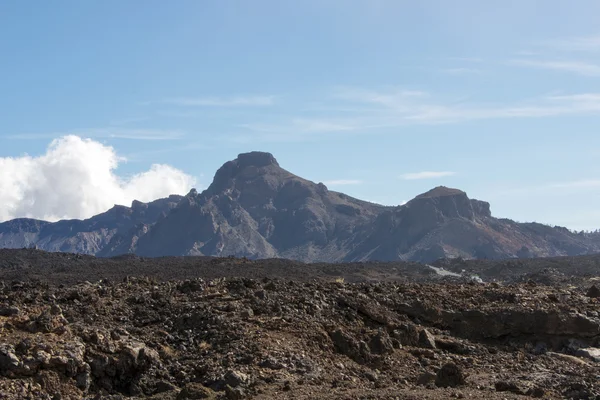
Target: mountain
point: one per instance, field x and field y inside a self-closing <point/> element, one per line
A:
<point x="96" y="235"/>
<point x="255" y="208"/>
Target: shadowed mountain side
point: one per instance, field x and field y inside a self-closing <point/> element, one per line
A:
<point x="256" y="209"/>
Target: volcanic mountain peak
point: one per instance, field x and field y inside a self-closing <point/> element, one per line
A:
<point x="255" y="159"/>
<point x="247" y="165"/>
<point x="441" y="191"/>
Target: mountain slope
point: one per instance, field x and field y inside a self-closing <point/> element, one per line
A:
<point x="255" y="208"/>
<point x="446" y="223"/>
<point x="91" y="236"/>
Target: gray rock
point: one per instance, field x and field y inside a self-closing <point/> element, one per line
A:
<point x="426" y="339"/>
<point x="236" y="378"/>
<point x="234" y="393"/>
<point x="591" y="353"/>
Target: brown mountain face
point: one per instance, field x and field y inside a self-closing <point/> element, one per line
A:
<point x="255" y="208"/>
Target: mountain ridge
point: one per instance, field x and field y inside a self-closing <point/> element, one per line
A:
<point x="255" y="208"/>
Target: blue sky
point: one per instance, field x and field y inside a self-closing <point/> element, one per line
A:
<point x="380" y="99"/>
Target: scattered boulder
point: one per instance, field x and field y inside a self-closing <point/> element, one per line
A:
<point x="426" y="378"/>
<point x="450" y="375"/>
<point x="347" y="345"/>
<point x="591" y="353"/>
<point x="234" y="393"/>
<point x="236" y="378"/>
<point x="593" y="292"/>
<point x="9" y="311"/>
<point x="381" y="343"/>
<point x="511" y="386"/>
<point x="426" y="339"/>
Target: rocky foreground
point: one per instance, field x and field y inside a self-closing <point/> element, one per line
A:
<point x="237" y="338"/>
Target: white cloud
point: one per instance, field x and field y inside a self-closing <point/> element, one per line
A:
<point x="109" y="133"/>
<point x="341" y="182"/>
<point x="76" y="178"/>
<point x="426" y="175"/>
<point x="577" y="67"/>
<point x="236" y="101"/>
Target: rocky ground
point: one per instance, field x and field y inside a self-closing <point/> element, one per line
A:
<point x="313" y="332"/>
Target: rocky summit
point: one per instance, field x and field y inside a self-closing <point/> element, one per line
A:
<point x="227" y="328"/>
<point x="254" y="208"/>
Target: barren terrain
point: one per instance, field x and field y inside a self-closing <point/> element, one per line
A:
<point x="74" y="327"/>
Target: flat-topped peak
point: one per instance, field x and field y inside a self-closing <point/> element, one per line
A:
<point x="440" y="191"/>
<point x="256" y="159"/>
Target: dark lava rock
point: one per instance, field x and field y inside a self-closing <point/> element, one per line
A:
<point x="594" y="292"/>
<point x="510" y="386"/>
<point x="426" y="339"/>
<point x="381" y="343"/>
<point x="9" y="311"/>
<point x="426" y="378"/>
<point x="450" y="375"/>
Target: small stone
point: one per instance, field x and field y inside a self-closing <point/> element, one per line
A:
<point x="236" y="378"/>
<point x="591" y="353"/>
<point x="537" y="392"/>
<point x="234" y="393"/>
<point x="509" y="386"/>
<point x="450" y="375"/>
<point x="426" y="339"/>
<point x="9" y="311"/>
<point x="247" y="313"/>
<point x="55" y="309"/>
<point x="84" y="380"/>
<point x="372" y="376"/>
<point x="193" y="391"/>
<point x="593" y="292"/>
<point x="381" y="343"/>
<point x="426" y="378"/>
<point x="164" y="386"/>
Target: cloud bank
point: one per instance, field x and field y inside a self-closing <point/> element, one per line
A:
<point x="76" y="178"/>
